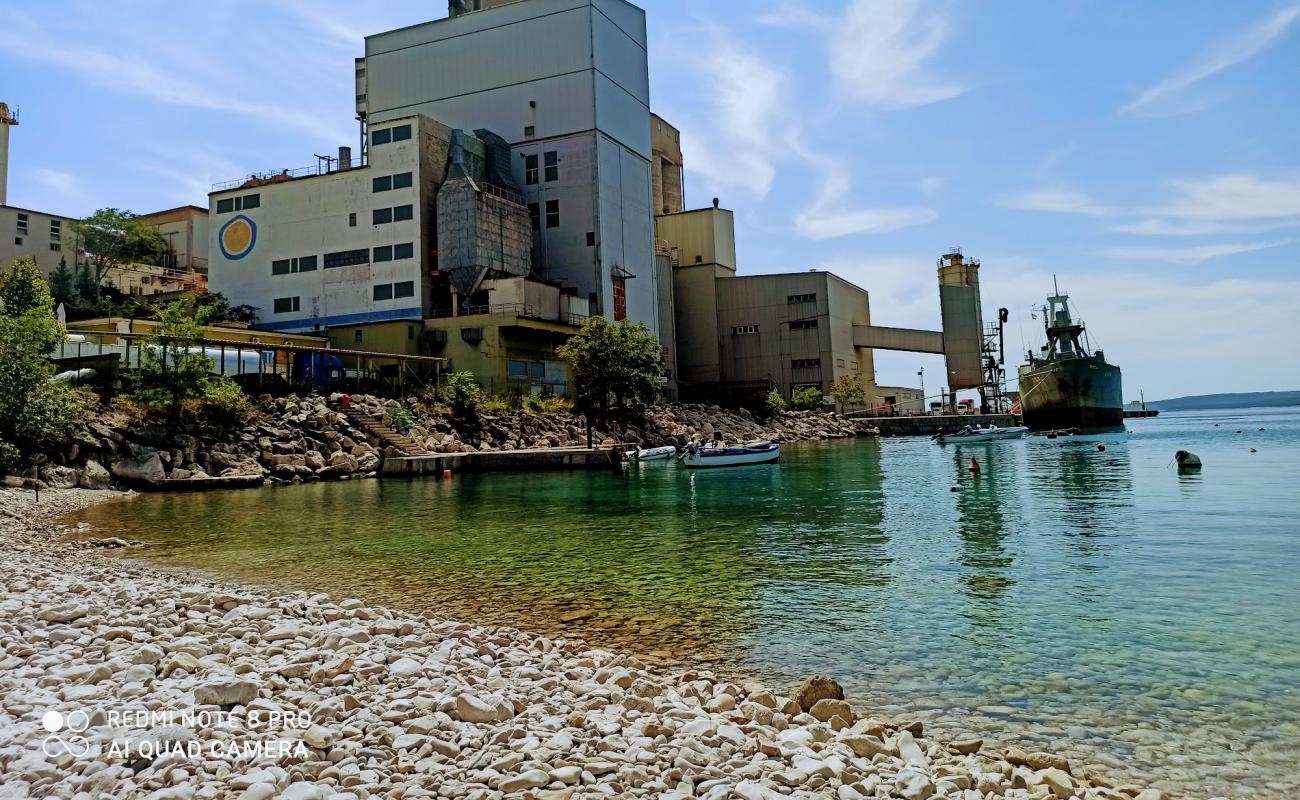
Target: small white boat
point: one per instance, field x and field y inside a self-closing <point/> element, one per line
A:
<point x="973" y="434"/>
<point x="651" y="453"/>
<point x="700" y="457"/>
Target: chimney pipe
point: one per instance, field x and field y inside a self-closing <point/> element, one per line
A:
<point x="345" y="157"/>
<point x="715" y="202"/>
<point x="6" y="119"/>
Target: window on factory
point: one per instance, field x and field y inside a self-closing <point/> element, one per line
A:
<point x="381" y="216"/>
<point x="381" y="184"/>
<point x="56" y="230"/>
<point x="286" y="305"/>
<point x="551" y="160"/>
<point x="18" y="240"/>
<point x="620" y="299"/>
<point x="382" y="136"/>
<point x="356" y="336"/>
<point x="404" y="289"/>
<point x="803" y="324"/>
<point x="529" y="131"/>
<point x="286" y="266"/>
<point x="352" y="220"/>
<point x="228" y="204"/>
<point x="801" y="298"/>
<point x="55" y="247"/>
<point x="383" y="291"/>
<point x="22" y="224"/>
<point x="403" y="213"/>
<point x="346" y="258"/>
<point x="805" y="363"/>
<point x="740" y="330"/>
<point x="552" y="213"/>
<point x="517" y="369"/>
<point x="534" y="214"/>
<point x="401" y="133"/>
<point x="384" y="253"/>
<point x="402" y="180"/>
<point x="591" y="238"/>
<point x="401" y="251"/>
<point x="530" y="170"/>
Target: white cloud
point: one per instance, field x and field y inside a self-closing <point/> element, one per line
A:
<point x="58" y="182"/>
<point x="1236" y="197"/>
<point x="1186" y="255"/>
<point x="879" y="50"/>
<point x="1055" y="199"/>
<point x="1163" y="98"/>
<point x="1153" y="226"/>
<point x="740" y="149"/>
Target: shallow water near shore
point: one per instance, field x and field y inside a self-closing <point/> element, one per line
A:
<point x="1093" y="603"/>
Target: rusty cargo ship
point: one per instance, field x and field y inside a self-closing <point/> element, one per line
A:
<point x="1067" y="384"/>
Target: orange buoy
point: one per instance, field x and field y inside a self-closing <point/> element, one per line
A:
<point x="1101" y="448"/>
<point x="974" y="466"/>
<point x="446" y="474"/>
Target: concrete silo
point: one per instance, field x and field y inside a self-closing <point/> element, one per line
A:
<point x="963" y="338"/>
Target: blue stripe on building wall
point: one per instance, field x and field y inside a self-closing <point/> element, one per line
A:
<point x="309" y="324"/>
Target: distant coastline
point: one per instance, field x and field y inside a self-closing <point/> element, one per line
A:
<point x="1232" y="400"/>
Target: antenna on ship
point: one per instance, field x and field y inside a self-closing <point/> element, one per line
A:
<point x="1055" y="289"/>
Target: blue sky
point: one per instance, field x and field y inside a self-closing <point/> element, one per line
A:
<point x="1147" y="153"/>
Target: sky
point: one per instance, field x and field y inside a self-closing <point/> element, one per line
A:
<point x="1146" y="154"/>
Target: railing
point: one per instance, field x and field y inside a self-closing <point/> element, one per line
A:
<point x="521" y="309"/>
<point x="299" y="172"/>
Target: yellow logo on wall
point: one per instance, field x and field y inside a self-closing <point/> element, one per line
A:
<point x="237" y="237"/>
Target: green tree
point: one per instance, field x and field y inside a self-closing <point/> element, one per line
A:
<point x="462" y="394"/>
<point x="23" y="289"/>
<point x="221" y="310"/>
<point x="87" y="286"/>
<point x="112" y="237"/>
<point x="848" y="390"/>
<point x="35" y="413"/>
<point x="614" y="365"/>
<point x="63" y="284"/>
<point x="173" y="367"/>
<point x="773" y="404"/>
<point x="808" y="398"/>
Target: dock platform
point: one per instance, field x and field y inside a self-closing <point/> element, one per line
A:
<point x="553" y="458"/>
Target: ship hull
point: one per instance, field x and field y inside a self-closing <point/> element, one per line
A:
<point x="1071" y="393"/>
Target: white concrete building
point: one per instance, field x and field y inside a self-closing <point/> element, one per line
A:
<point x="566" y="83"/>
<point x="316" y="248"/>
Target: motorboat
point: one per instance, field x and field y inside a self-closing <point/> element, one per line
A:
<point x="972" y="433"/>
<point x="651" y="453"/>
<point x="698" y="456"/>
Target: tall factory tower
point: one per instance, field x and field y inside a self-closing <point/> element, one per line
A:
<point x="6" y="119"/>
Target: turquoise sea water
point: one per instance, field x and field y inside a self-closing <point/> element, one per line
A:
<point x="1095" y="603"/>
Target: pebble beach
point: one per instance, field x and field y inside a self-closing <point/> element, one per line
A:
<point x="125" y="680"/>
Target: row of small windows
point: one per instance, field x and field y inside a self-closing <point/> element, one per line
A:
<point x="743" y="329"/>
<point x="286" y="266"/>
<point x="227" y="205"/>
<point x="805" y="363"/>
<point x="550" y="163"/>
<point x="384" y="183"/>
<point x="349" y="258"/>
<point x="552" y="216"/>
<point x="397" y="133"/>
<point x="394" y="291"/>
<point x="22" y="226"/>
<point x="803" y="324"/>
<point x="801" y="298"/>
<point x="382" y="216"/>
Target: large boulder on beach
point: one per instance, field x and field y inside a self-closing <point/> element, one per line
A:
<point x="60" y="477"/>
<point x="817" y="687"/>
<point x="144" y="467"/>
<point x="94" y="476"/>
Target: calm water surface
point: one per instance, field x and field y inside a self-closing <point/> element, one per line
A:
<point x="1094" y="603"/>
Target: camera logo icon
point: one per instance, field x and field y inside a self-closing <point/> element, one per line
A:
<point x="65" y="734"/>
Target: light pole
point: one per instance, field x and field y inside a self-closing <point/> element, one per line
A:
<point x="921" y="374"/>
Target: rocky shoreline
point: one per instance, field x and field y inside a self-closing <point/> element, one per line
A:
<point x="195" y="689"/>
<point x="292" y="440"/>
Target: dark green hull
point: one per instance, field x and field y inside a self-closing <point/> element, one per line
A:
<point x="1071" y="393"/>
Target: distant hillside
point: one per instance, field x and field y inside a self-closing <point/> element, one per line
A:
<point x="1238" y="400"/>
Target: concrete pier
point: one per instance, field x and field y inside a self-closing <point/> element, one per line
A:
<point x="495" y="460"/>
<point x="930" y="425"/>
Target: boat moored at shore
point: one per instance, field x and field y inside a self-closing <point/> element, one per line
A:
<point x="700" y="457"/>
<point x="1067" y="384"/>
